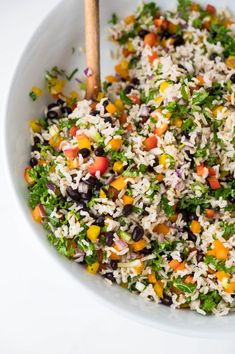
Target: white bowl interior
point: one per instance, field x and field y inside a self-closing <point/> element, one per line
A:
<point x="52" y="45"/>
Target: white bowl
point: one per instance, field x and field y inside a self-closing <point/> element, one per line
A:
<point x="50" y="45"/>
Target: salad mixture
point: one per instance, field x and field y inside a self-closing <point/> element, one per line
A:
<point x="138" y="185"/>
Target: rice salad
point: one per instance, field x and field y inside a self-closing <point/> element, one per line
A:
<point x="138" y="184"/>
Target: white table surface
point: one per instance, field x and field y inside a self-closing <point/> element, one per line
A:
<point x="38" y="311"/>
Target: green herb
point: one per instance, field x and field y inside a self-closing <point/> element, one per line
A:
<point x="183" y="8"/>
<point x="69" y="77"/>
<point x="33" y="95"/>
<point x="114" y="19"/>
<point x="149" y="9"/>
<point x="199" y="97"/>
<point x="142" y="168"/>
<point x="133" y="62"/>
<point x="125" y="98"/>
<point x="201" y="152"/>
<point x="184" y="93"/>
<point x="168" y="209"/>
<point x="197" y="22"/>
<point x="190" y="204"/>
<point x="219" y="33"/>
<point x="186" y="288"/>
<point x="229" y="230"/>
<point x="125" y="36"/>
<point x="188" y="124"/>
<point x="210" y="301"/>
<point x="211" y="160"/>
<point x="117" y="155"/>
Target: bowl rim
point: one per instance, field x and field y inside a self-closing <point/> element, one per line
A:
<point x="57" y="258"/>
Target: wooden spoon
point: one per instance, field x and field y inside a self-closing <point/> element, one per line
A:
<point x="92" y="42"/>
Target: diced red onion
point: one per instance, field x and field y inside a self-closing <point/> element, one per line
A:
<point x="88" y="72"/>
<point x="42" y="210"/>
<point x="144" y="111"/>
<point x="178" y="172"/>
<point x="51" y="186"/>
<point x="121" y="245"/>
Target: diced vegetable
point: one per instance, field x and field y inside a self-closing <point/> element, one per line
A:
<point x="158" y="288"/>
<point x="111" y="108"/>
<point x="83" y="142"/>
<point x="213" y="182"/>
<point x="119" y="183"/>
<point x="195" y="227"/>
<point x="100" y="165"/>
<point x="93" y="268"/>
<point x="150" y="39"/>
<point x="150" y="143"/>
<point x="127" y="199"/>
<point x="161" y="229"/>
<point x="139" y="245"/>
<point x="38" y="213"/>
<point x="27" y="176"/>
<point x="118" y="166"/>
<point x="93" y="232"/>
<point x="115" y="144"/>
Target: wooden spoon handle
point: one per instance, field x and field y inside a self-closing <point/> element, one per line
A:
<point x="92" y="30"/>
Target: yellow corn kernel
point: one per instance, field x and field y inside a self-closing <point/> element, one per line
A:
<point x="152" y="278"/>
<point x="93" y="268"/>
<point x="110" y="79"/>
<point x="36" y="90"/>
<point x="115" y="144"/>
<point x="127" y="199"/>
<point x="163" y="87"/>
<point x="118" y="166"/>
<point x="93" y="232"/>
<point x="83" y="142"/>
<point x="178" y="122"/>
<point x="129" y="19"/>
<point x="138" y="269"/>
<point x="195" y="227"/>
<point x="55" y="140"/>
<point x="119" y="105"/>
<point x="100" y="96"/>
<point x="119" y="183"/>
<point x="56" y="86"/>
<point x="158" y="288"/>
<point x="111" y="108"/>
<point x="73" y="163"/>
<point x="162" y="229"/>
<point x="130" y="47"/>
<point x="217" y="110"/>
<point x="164" y="160"/>
<point x="102" y="194"/>
<point x="123" y="72"/>
<point x="158" y="100"/>
<point x="230" y="62"/>
<point x="35" y="126"/>
<point x="139" y="245"/>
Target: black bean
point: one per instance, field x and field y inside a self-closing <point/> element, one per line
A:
<point x="200" y="256"/>
<point x="99" y="151"/>
<point x="100" y="221"/>
<point x="178" y="40"/>
<point x="73" y="194"/>
<point x="36" y="140"/>
<point x="135" y="81"/>
<point x="93" y="181"/>
<point x="192" y="216"/>
<point x="108" y="120"/>
<point x="229" y="178"/>
<point x="85" y="196"/>
<point x="127" y="210"/>
<point x="165" y="34"/>
<point x="232" y="78"/>
<point x="186" y="134"/>
<point x="52" y="105"/>
<point x="85" y="152"/>
<point x="213" y="56"/>
<point x="66" y="110"/>
<point x="60" y="102"/>
<point x="52" y="115"/>
<point x="137" y="233"/>
<point x="114" y="264"/>
<point x="110" y="276"/>
<point x="150" y="169"/>
<point x="128" y="89"/>
<point x="105" y="103"/>
<point x="109" y="238"/>
<point x="33" y="161"/>
<point x="191" y="236"/>
<point x="231" y="199"/>
<point x="142" y="33"/>
<point x="94" y="113"/>
<point x="35" y="148"/>
<point x="166" y="300"/>
<point x="182" y="67"/>
<point x="146" y="251"/>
